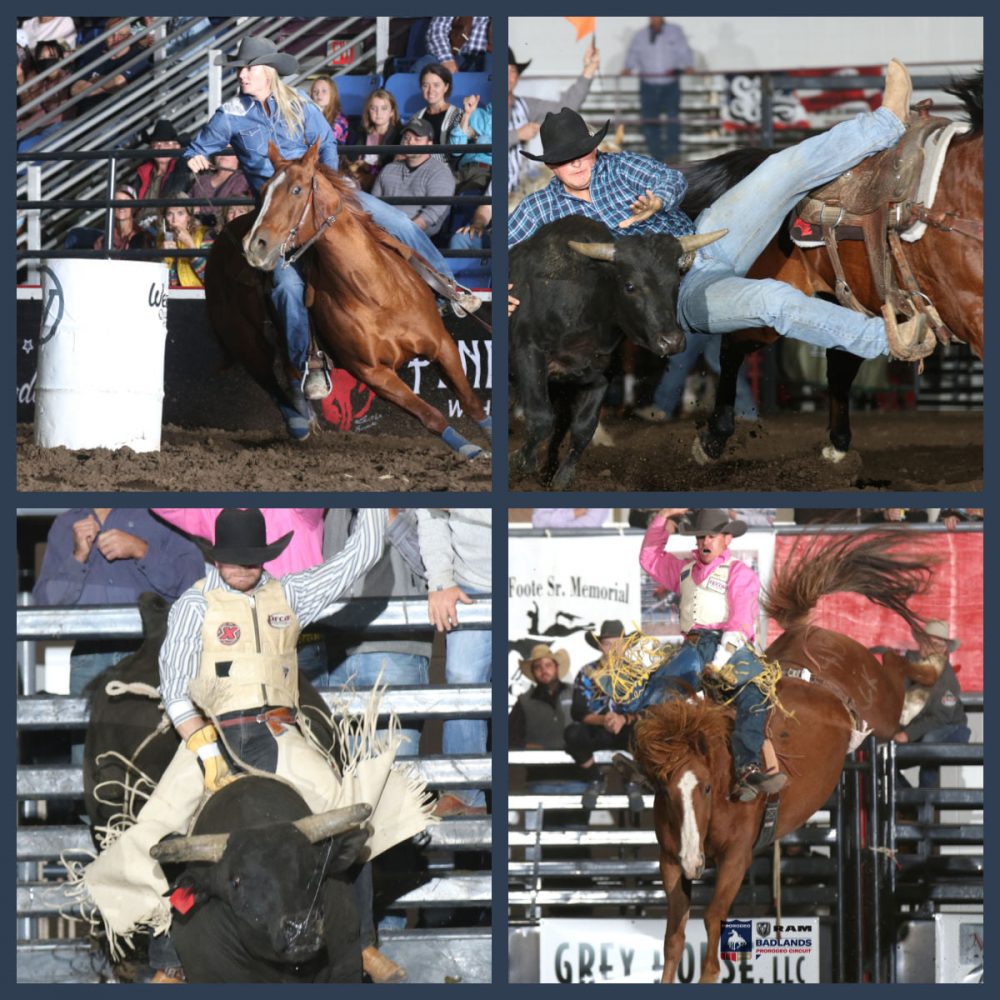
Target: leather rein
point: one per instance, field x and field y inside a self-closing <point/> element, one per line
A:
<point x="294" y="232"/>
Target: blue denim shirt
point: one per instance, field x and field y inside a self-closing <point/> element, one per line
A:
<point x="242" y="123"/>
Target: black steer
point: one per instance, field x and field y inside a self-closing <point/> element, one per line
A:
<point x="580" y="292"/>
<point x="265" y="883"/>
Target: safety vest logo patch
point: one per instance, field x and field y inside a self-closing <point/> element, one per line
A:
<point x="228" y="634"/>
<point x="279" y="620"/>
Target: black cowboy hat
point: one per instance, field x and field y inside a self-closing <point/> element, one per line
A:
<point x="710" y="521"/>
<point x="241" y="539"/>
<point x="610" y="629"/>
<point x="256" y="51"/>
<point x="565" y="137"/>
<point x="511" y="61"/>
<point x="162" y="131"/>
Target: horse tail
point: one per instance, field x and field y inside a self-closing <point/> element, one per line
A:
<point x="869" y="563"/>
<point x="709" y="180"/>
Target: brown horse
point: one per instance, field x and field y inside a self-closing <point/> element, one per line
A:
<point x="947" y="263"/>
<point x="683" y="746"/>
<point x="371" y="312"/>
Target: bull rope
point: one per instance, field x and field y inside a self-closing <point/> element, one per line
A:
<point x="628" y="667"/>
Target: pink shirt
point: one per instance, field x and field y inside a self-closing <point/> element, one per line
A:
<point x="665" y="568"/>
<point x="303" y="551"/>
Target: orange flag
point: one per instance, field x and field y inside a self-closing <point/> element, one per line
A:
<point x="583" y="25"/>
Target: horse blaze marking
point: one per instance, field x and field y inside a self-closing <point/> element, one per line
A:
<point x="276" y="181"/>
<point x="689" y="826"/>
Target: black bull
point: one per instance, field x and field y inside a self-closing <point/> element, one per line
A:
<point x="291" y="919"/>
<point x="580" y="293"/>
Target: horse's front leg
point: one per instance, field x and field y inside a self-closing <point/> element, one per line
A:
<point x="731" y="867"/>
<point x="841" y="369"/>
<point x="678" y="891"/>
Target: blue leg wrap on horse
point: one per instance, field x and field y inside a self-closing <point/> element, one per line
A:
<point x="487" y="425"/>
<point x="456" y="442"/>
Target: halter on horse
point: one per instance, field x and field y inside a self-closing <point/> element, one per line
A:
<point x="683" y="746"/>
<point x="372" y="313"/>
<point x="945" y="266"/>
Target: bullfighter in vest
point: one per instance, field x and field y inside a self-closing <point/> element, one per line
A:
<point x="718" y="611"/>
<point x="229" y="683"/>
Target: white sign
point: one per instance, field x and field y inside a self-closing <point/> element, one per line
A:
<point x="631" y="951"/>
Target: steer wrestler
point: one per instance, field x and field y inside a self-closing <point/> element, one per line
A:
<point x="637" y="194"/>
<point x="718" y="608"/>
<point x="228" y="658"/>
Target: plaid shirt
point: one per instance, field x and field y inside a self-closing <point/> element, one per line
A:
<point x="439" y="46"/>
<point x="618" y="179"/>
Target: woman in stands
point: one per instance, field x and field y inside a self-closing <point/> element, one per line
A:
<point x="125" y="234"/>
<point x="180" y="230"/>
<point x="326" y="97"/>
<point x="381" y="127"/>
<point x="435" y="85"/>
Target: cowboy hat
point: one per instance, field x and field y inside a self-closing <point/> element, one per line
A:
<point x="561" y="656"/>
<point x="256" y="51"/>
<point x="710" y="521"/>
<point x="163" y="131"/>
<point x="565" y="137"/>
<point x="937" y="629"/>
<point x="511" y="61"/>
<point x="241" y="539"/>
<point x="610" y="629"/>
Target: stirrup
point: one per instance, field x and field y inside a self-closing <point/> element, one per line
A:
<point x="913" y="341"/>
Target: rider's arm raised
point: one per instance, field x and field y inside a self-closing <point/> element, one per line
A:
<point x="663" y="567"/>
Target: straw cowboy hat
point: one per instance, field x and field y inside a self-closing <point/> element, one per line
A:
<point x="938" y="629"/>
<point x="610" y="629"/>
<point x="561" y="656"/>
<point x="241" y="539"/>
<point x="710" y="521"/>
<point x="565" y="137"/>
<point x="256" y="51"/>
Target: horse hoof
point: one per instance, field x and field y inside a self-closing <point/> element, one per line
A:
<point x="833" y="454"/>
<point x="699" y="454"/>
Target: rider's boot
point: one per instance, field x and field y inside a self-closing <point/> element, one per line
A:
<point x="752" y="780"/>
<point x="898" y="90"/>
<point x="316" y="382"/>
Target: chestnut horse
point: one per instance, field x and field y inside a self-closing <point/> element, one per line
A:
<point x="371" y="312"/>
<point x="947" y="263"/>
<point x="683" y="745"/>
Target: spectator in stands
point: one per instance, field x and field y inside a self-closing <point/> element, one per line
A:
<point x="418" y="174"/>
<point x="658" y="54"/>
<point x="460" y="44"/>
<point x="112" y="73"/>
<point x="477" y="233"/>
<point x="180" y="230"/>
<point x="475" y="126"/>
<point x="125" y="234"/>
<point x="226" y="180"/>
<point x="231" y="212"/>
<point x="326" y="97"/>
<point x="595" y="726"/>
<point x="569" y="517"/>
<point x="52" y="92"/>
<point x="754" y="517"/>
<point x="380" y="126"/>
<point x="942" y="718"/>
<point x="162" y="176"/>
<point x="951" y="517"/>
<point x="435" y="85"/>
<point x="50" y="29"/>
<point x="525" y="114"/>
<point x="456" y="546"/>
<point x="540" y="716"/>
<point x="110" y="555"/>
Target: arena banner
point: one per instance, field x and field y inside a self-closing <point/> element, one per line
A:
<point x="955" y="596"/>
<point x="757" y="950"/>
<point x="562" y="586"/>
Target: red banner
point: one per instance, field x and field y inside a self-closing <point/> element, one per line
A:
<point x="955" y="596"/>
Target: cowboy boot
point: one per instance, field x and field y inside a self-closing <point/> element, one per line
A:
<point x="381" y="968"/>
<point x="898" y="90"/>
<point x="316" y="383"/>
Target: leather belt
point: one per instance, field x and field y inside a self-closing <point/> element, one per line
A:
<point x="276" y="719"/>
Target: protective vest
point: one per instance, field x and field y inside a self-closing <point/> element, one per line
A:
<point x="545" y="724"/>
<point x="248" y="651"/>
<point x="705" y="603"/>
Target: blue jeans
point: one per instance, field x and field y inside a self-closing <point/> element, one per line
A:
<point x="930" y="774"/>
<point x="663" y="138"/>
<point x="467" y="661"/>
<point x="716" y="297"/>
<point x="288" y="291"/>
<point x="397" y="669"/>
<point x="83" y="668"/>
<point x="668" y="392"/>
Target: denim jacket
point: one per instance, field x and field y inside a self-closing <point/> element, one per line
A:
<point x="242" y="123"/>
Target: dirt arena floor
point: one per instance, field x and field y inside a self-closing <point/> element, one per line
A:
<point x="890" y="451"/>
<point x="207" y="459"/>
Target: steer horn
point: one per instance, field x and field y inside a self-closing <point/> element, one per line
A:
<point x="689" y="244"/>
<point x="202" y="847"/>
<point x="596" y="251"/>
<point x="326" y="824"/>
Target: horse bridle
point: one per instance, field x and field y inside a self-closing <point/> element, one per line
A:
<point x="294" y="231"/>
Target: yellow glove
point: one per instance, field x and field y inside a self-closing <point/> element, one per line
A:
<point x="213" y="765"/>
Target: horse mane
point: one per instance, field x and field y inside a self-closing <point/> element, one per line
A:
<point x="867" y="563"/>
<point x="708" y="180"/>
<point x="668" y="735"/>
<point x="969" y="90"/>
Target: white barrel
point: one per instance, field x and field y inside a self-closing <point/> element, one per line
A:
<point x="100" y="354"/>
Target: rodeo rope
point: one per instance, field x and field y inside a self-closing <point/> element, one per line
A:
<point x="629" y="666"/>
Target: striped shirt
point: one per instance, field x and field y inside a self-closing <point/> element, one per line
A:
<point x="439" y="43"/>
<point x="308" y="593"/>
<point x="618" y="179"/>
